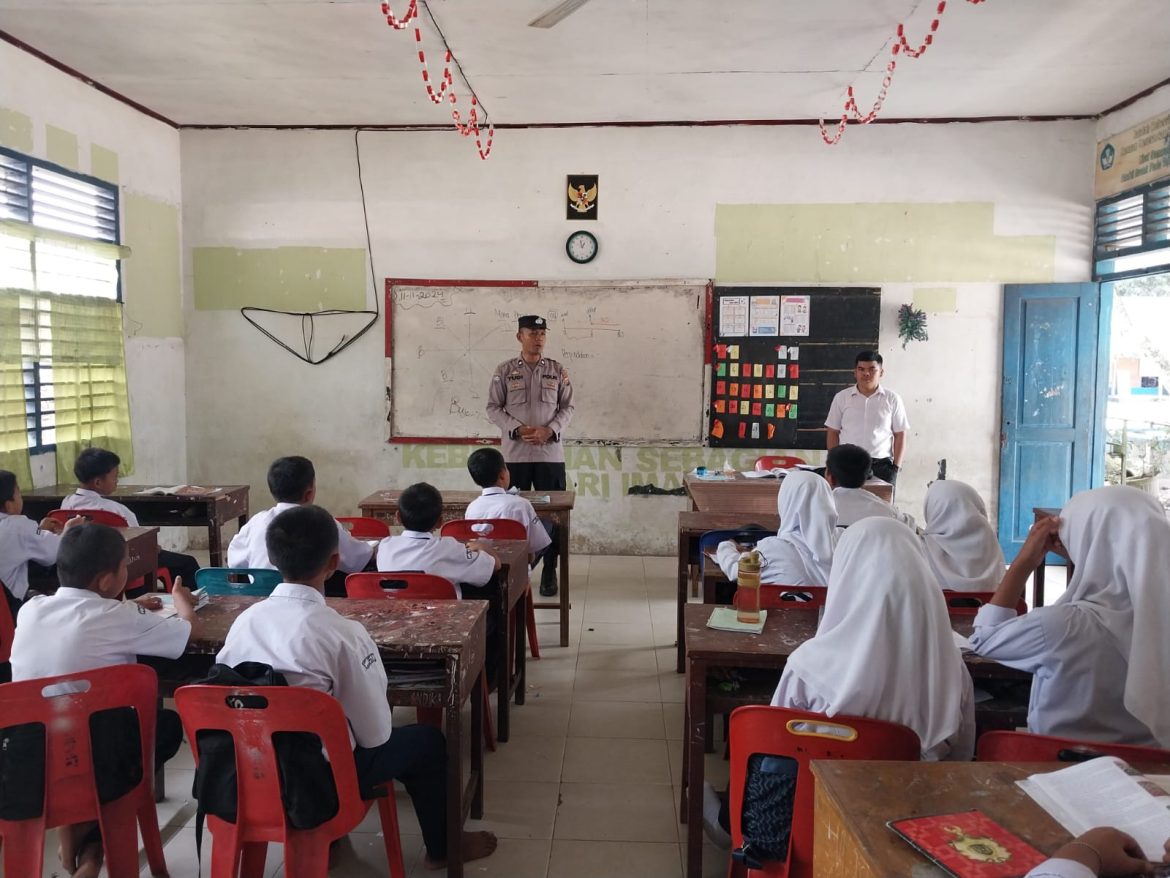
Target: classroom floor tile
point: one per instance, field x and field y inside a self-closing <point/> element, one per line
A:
<point x="614" y="859"/>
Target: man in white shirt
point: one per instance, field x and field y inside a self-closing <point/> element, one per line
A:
<point x="846" y="469"/>
<point x="490" y="472"/>
<point x="871" y="416"/>
<point x="293" y="482"/>
<point x="312" y="645"/>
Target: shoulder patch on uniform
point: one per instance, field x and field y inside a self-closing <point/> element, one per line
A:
<point x="368" y="661"/>
<point x="471" y="554"/>
<point x="141" y="609"/>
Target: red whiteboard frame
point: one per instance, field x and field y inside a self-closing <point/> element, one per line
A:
<point x="391" y="282"/>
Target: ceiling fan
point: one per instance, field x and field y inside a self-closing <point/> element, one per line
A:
<point x="557" y="14"/>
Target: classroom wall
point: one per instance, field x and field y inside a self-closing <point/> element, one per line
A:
<point x="906" y="207"/>
<point x="50" y="115"/>
<point x="1152" y="105"/>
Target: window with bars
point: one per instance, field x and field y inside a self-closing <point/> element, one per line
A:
<point x="59" y="237"/>
<point x="1132" y="232"/>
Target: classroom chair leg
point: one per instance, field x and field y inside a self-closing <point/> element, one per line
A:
<point x="530" y="624"/>
<point x="388" y="815"/>
<point x="489" y="730"/>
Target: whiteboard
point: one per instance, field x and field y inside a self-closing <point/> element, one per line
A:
<point x="633" y="350"/>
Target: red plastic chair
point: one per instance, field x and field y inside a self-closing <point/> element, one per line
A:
<point x="967" y="603"/>
<point x="1026" y="747"/>
<point x="7" y="627"/>
<point x="416" y="587"/>
<point x="71" y="794"/>
<point x="112" y="519"/>
<point x="463" y="529"/>
<point x="772" y="461"/>
<point x="804" y="737"/>
<point x="239" y="848"/>
<point x="772" y="597"/>
<point x="365" y="528"/>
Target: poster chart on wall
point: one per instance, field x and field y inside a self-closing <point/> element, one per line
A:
<point x="779" y="355"/>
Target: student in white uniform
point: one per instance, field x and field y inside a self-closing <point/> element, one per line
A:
<point x="84" y="626"/>
<point x="846" y="469"/>
<point x="312" y="645"/>
<point x="1104" y="851"/>
<point x="960" y="544"/>
<point x="293" y="482"/>
<point x="418" y="549"/>
<point x="1099" y="655"/>
<point x="883" y="649"/>
<point x="97" y="473"/>
<point x="802" y="552"/>
<point x="490" y="472"/>
<point x="23" y="540"/>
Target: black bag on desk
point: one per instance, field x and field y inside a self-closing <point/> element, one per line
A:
<point x="307" y="789"/>
<point x="766" y="816"/>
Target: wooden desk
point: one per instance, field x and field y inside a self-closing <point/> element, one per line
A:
<point x="752" y="496"/>
<point x="691" y="526"/>
<point x="1039" y="512"/>
<point x="453" y="632"/>
<point x="784" y="631"/>
<point x="855" y="799"/>
<point x="513" y="642"/>
<point x="384" y="505"/>
<point x="142" y="550"/>
<point x="212" y="511"/>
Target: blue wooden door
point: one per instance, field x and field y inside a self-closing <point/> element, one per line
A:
<point x="1049" y="418"/>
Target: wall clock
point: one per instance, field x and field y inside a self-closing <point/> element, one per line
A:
<point x="581" y="247"/>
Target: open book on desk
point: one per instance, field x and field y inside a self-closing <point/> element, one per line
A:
<point x="168" y="603"/>
<point x="180" y="491"/>
<point x="1106" y="791"/>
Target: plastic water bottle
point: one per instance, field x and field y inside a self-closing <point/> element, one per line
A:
<point x="747" y="593"/>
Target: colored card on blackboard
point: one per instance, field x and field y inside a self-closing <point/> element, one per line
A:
<point x="734" y="370"/>
<point x="793" y="352"/>
<point x="793" y="372"/>
<point x="745" y="390"/>
<point x="721" y="370"/>
<point x="781" y="391"/>
<point x="769" y="391"/>
<point x="720" y="388"/>
<point x="720" y="406"/>
<point x="759" y="370"/>
<point x="792" y="412"/>
<point x="781" y="353"/>
<point x="758" y="391"/>
<point x="794" y="391"/>
<point x="744" y="407"/>
<point x="770" y="371"/>
<point x="733" y="351"/>
<point x="757" y="409"/>
<point x="769" y="411"/>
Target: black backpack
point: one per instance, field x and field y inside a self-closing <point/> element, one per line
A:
<point x="307" y="789"/>
<point x="766" y="818"/>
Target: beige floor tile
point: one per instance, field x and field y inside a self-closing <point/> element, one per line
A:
<point x="616" y="812"/>
<point x="620" y="633"/>
<point x="714" y="860"/>
<point x="615" y="760"/>
<point x="672" y="686"/>
<point x="616" y="719"/>
<point x="659" y="565"/>
<point x="364" y="856"/>
<point x="514" y="858"/>
<point x="543" y="717"/>
<point x="526" y="758"/>
<point x="518" y="810"/>
<point x="614" y="859"/>
<point x="551" y="678"/>
<point x="621" y="611"/>
<point x="674" y="752"/>
<point x="667" y="657"/>
<point x="616" y="565"/>
<point x="617" y="657"/>
<point x="180" y="856"/>
<point x="674" y="717"/>
<point x="594" y="685"/>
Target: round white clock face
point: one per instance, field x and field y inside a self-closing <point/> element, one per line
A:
<point x="581" y="247"/>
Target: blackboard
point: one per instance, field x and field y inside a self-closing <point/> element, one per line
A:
<point x="841" y="322"/>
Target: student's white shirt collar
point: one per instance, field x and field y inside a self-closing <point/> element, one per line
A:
<point x="78" y="594"/>
<point x="881" y="390"/>
<point x="418" y="534"/>
<point x="488" y="492"/>
<point x="86" y="492"/>
<point x="281" y="507"/>
<point x="299" y="592"/>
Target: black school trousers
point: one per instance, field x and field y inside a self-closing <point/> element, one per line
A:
<point x="417" y="757"/>
<point x="541" y="477"/>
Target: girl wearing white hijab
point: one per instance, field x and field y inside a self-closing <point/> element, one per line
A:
<point x="802" y="552"/>
<point x="961" y="547"/>
<point x="1101" y="653"/>
<point x="884" y="648"/>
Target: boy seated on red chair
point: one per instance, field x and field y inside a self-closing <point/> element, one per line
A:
<point x="23" y="540"/>
<point x="490" y="472"/>
<point x="84" y="626"/>
<point x="293" y="482"/>
<point x="97" y="474"/>
<point x="312" y="645"/>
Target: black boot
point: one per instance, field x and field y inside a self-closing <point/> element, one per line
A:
<point x="548" y="580"/>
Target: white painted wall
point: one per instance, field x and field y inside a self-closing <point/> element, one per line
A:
<point x="1138" y="112"/>
<point x="436" y="210"/>
<point x="148" y="154"/>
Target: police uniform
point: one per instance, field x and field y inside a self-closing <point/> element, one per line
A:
<point x="176" y="562"/>
<point x="536" y="395"/>
<point x="21" y="541"/>
<point x="77" y="630"/>
<point x="438" y="556"/>
<point x="312" y="645"/>
<point x="249" y="548"/>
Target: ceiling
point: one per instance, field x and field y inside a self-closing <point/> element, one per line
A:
<point x="335" y="62"/>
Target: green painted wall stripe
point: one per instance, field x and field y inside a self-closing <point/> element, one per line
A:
<point x="61" y="147"/>
<point x="865" y="243"/>
<point x="103" y="163"/>
<point x="152" y="276"/>
<point x="282" y="278"/>
<point x="16" y="130"/>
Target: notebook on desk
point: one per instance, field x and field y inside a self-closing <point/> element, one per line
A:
<point x="969" y="844"/>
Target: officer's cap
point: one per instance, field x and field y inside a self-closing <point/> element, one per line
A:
<point x="531" y="321"/>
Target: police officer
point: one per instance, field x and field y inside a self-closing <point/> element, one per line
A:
<point x="531" y="401"/>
